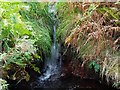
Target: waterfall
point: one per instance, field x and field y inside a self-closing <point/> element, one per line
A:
<point x="52" y="65"/>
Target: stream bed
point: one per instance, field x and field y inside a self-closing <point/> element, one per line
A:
<point x="62" y="81"/>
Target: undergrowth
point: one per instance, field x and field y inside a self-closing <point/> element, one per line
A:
<point x="25" y="37"/>
<point x="93" y="30"/>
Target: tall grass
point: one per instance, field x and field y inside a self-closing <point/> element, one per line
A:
<point x="92" y="29"/>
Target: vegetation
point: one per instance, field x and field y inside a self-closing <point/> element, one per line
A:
<point x="3" y="84"/>
<point x="93" y="30"/>
<point x="24" y="37"/>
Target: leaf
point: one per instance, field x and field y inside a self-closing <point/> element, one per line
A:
<point x="94" y="65"/>
<point x="19" y="62"/>
<point x="5" y="32"/>
<point x="37" y="56"/>
<point x="97" y="67"/>
<point x="35" y="68"/>
<point x="27" y="55"/>
<point x="27" y="77"/>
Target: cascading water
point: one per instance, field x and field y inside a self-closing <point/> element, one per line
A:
<point x="52" y="65"/>
<point x="55" y="77"/>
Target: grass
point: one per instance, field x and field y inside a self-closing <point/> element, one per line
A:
<point x="110" y="68"/>
<point x="87" y="27"/>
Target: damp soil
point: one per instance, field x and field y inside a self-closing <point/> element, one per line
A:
<point x="60" y="81"/>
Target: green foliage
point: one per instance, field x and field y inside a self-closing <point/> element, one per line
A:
<point x="17" y="58"/>
<point x="116" y="85"/>
<point x="16" y="61"/>
<point x="35" y="68"/>
<point x="12" y="26"/>
<point x="25" y="33"/>
<point x="112" y="14"/>
<point x="95" y="66"/>
<point x="41" y="25"/>
<point x="3" y="84"/>
<point x="66" y="20"/>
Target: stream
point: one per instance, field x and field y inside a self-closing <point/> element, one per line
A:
<point x="54" y="76"/>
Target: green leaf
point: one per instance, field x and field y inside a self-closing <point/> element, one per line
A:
<point x="94" y="65"/>
<point x="35" y="68"/>
<point x="19" y="62"/>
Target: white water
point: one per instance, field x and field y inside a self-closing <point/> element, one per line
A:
<point x="53" y="64"/>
